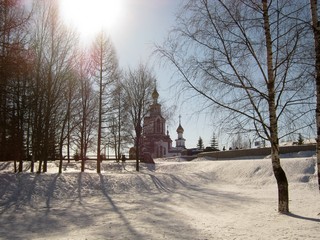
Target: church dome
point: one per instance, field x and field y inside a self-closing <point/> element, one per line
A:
<point x="180" y="129"/>
<point x="155" y="94"/>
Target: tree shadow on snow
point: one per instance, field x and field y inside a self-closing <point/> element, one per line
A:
<point x="17" y="192"/>
<point x="4" y="166"/>
<point x="159" y="184"/>
<point x="126" y="222"/>
<point x="50" y="192"/>
<point x="303" y="218"/>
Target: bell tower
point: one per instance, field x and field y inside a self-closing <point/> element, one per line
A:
<point x="155" y="142"/>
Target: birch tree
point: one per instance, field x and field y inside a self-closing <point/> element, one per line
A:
<point x="316" y="35"/>
<point x="242" y="56"/>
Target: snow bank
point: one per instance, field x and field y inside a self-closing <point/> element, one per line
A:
<point x="119" y="178"/>
<point x="172" y="199"/>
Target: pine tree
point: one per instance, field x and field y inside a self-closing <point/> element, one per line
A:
<point x="200" y="143"/>
<point x="300" y="139"/>
<point x="214" y="142"/>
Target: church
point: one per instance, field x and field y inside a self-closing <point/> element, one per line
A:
<point x="156" y="141"/>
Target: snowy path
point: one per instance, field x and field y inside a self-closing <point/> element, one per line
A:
<point x="172" y="202"/>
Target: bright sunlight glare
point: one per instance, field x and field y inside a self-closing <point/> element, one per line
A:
<point x="90" y="16"/>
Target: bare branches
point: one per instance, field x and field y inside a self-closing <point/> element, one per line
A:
<point x="245" y="57"/>
<point x="138" y="86"/>
<point x="219" y="51"/>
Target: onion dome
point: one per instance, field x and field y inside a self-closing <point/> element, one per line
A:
<point x="180" y="129"/>
<point x="155" y="94"/>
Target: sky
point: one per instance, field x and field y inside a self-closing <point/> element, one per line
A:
<point x="134" y="27"/>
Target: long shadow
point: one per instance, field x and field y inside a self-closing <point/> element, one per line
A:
<point x="50" y="191"/>
<point x="79" y="197"/>
<point x="20" y="184"/>
<point x="80" y="187"/>
<point x="194" y="190"/>
<point x="159" y="184"/>
<point x="14" y="197"/>
<point x="116" y="209"/>
<point x="32" y="188"/>
<point x="4" y="166"/>
<point x="303" y="218"/>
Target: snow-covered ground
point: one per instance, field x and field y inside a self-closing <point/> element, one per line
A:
<point x="173" y="199"/>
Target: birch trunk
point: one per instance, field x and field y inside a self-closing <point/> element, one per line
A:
<point x="316" y="34"/>
<point x="282" y="182"/>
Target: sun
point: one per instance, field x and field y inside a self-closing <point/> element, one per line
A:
<point x="90" y="16"/>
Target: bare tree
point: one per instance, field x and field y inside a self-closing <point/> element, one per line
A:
<point x="316" y="35"/>
<point x="105" y="64"/>
<point x="52" y="44"/>
<point x="119" y="121"/>
<point x="241" y="56"/>
<point x="87" y="108"/>
<point x="67" y="112"/>
<point x="138" y="86"/>
<point x="14" y="80"/>
<point x="238" y="142"/>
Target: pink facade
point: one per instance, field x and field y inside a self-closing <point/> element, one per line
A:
<point x="155" y="141"/>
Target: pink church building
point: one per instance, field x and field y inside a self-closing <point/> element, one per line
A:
<point x="156" y="141"/>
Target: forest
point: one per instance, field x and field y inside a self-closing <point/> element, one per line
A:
<point x="59" y="99"/>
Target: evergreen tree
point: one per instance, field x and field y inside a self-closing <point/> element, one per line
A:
<point x="300" y="139"/>
<point x="214" y="142"/>
<point x="200" y="143"/>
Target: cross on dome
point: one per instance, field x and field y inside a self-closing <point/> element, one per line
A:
<point x="180" y="128"/>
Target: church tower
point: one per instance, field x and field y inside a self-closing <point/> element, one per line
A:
<point x="156" y="143"/>
<point x="180" y="142"/>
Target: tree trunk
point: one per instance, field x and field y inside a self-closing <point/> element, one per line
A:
<point x="99" y="123"/>
<point x="62" y="138"/>
<point x="119" y="124"/>
<point x="82" y="139"/>
<point x="61" y="158"/>
<point x="137" y="154"/>
<point x="138" y="136"/>
<point x="68" y="130"/>
<point x="15" y="165"/>
<point x="282" y="182"/>
<point x="40" y="164"/>
<point x="316" y="33"/>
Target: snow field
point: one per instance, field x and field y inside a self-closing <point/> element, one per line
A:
<point x="173" y="199"/>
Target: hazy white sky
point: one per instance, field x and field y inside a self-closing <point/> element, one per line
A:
<point x="134" y="27"/>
